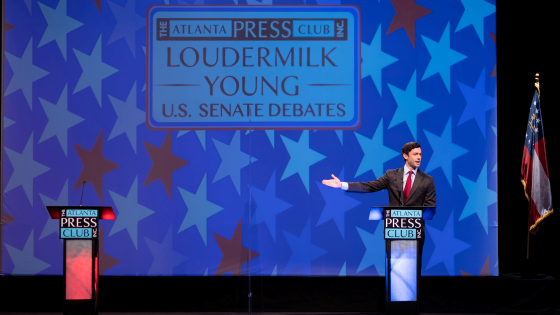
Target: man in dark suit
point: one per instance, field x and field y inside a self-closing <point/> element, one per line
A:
<point x="407" y="186"/>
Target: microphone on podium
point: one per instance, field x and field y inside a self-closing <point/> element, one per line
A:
<point x="82" y="198"/>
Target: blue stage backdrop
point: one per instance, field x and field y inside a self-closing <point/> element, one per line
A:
<point x="208" y="126"/>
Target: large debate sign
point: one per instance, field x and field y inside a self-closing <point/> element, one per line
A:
<point x="208" y="126"/>
<point x="239" y="67"/>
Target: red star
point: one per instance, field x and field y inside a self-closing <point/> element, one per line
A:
<point x="7" y="26"/>
<point x="6" y="218"/>
<point x="494" y="72"/>
<point x="235" y="255"/>
<point x="407" y="12"/>
<point x="98" y="4"/>
<point x="105" y="261"/>
<point x="483" y="273"/>
<point x="164" y="163"/>
<point x="95" y="166"/>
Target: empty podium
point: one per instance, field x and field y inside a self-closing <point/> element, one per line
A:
<point x="79" y="230"/>
<point x="404" y="236"/>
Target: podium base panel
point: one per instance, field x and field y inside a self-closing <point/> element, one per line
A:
<point x="401" y="308"/>
<point x="79" y="307"/>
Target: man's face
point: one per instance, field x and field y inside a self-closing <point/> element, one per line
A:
<point x="413" y="158"/>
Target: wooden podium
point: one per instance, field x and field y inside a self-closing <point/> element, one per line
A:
<point x="404" y="239"/>
<point x="79" y="230"/>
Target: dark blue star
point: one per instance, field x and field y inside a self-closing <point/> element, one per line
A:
<point x="303" y="252"/>
<point x="336" y="205"/>
<point x="478" y="103"/>
<point x="447" y="246"/>
<point x="128" y="22"/>
<point x="268" y="206"/>
<point x="445" y="151"/>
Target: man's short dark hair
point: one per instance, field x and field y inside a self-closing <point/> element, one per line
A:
<point x="409" y="147"/>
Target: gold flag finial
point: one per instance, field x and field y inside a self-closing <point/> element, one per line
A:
<point x="537" y="84"/>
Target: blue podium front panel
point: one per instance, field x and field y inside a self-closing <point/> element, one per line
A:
<point x="403" y="271"/>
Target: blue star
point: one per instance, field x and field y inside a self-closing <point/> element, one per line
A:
<point x="474" y="14"/>
<point x="24" y="260"/>
<point x="25" y="169"/>
<point x="342" y="272"/>
<point x="336" y="205"/>
<point x="375" y="249"/>
<point x="375" y="153"/>
<point x="199" y="209"/>
<point x="445" y="151"/>
<point x="446" y="246"/>
<point x="52" y="225"/>
<point x="301" y="158"/>
<point x="442" y="57"/>
<point x="478" y="103"/>
<point x="409" y="106"/>
<point x="165" y="258"/>
<point x="496" y="134"/>
<point x="144" y="87"/>
<point x="129" y="212"/>
<point x="201" y="134"/>
<point x="480" y="197"/>
<point x="25" y="73"/>
<point x="233" y="160"/>
<point x="268" y="206"/>
<point x="374" y="60"/>
<point x="28" y="4"/>
<point x="339" y="134"/>
<point x="257" y="2"/>
<point x="128" y="22"/>
<point x="94" y="71"/>
<point x="60" y="120"/>
<point x="129" y="117"/>
<point x="58" y="25"/>
<point x="303" y="251"/>
<point x="8" y="122"/>
<point x="269" y="134"/>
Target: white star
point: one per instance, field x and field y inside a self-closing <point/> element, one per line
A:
<point x="535" y="103"/>
<point x="538" y="120"/>
<point x="529" y="141"/>
<point x="526" y="135"/>
<point x="537" y="110"/>
<point x="536" y="129"/>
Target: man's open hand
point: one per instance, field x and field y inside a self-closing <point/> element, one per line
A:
<point x="335" y="182"/>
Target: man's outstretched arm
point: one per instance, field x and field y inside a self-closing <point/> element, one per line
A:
<point x="365" y="187"/>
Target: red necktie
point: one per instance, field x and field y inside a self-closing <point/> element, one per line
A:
<point x="407" y="186"/>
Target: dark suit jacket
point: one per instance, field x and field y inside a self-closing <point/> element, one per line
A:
<point x="422" y="192"/>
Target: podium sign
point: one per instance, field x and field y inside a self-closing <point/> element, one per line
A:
<point x="403" y="224"/>
<point x="79" y="223"/>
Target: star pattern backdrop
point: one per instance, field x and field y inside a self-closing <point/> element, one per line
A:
<point x="214" y="202"/>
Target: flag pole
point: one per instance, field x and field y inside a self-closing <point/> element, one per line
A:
<point x="537" y="85"/>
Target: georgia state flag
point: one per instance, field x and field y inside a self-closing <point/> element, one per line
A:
<point x="534" y="168"/>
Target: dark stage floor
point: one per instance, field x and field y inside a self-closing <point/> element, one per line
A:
<point x="260" y="313"/>
<point x="506" y="294"/>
